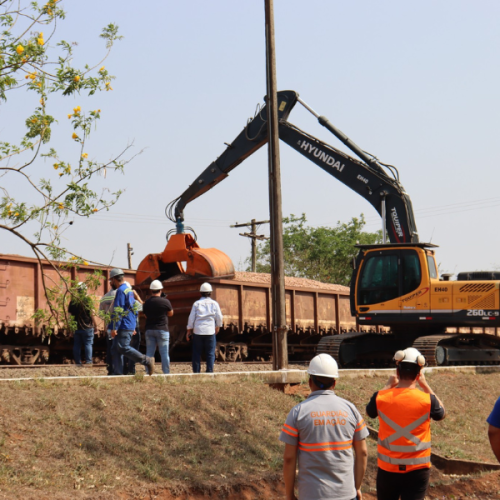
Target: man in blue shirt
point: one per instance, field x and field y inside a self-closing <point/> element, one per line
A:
<point x="123" y="318"/>
<point x="494" y="429"/>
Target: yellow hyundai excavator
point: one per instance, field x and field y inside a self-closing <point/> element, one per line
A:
<point x="393" y="284"/>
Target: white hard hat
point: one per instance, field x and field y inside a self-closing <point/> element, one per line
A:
<point x="323" y="365"/>
<point x="206" y="287"/>
<point x="409" y="355"/>
<point x="156" y="285"/>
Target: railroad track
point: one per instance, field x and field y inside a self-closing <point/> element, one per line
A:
<point x="173" y="363"/>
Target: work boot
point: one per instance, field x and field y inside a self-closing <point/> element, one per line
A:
<point x="150" y="364"/>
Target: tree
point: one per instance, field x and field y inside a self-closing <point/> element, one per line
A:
<point x="33" y="61"/>
<point x="319" y="253"/>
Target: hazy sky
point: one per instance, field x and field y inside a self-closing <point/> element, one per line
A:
<point x="415" y="83"/>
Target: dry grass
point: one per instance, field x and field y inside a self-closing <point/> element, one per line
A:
<point x="98" y="436"/>
<point x="106" y="436"/>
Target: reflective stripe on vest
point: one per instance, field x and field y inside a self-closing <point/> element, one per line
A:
<point x="403" y="432"/>
<point x="403" y="461"/>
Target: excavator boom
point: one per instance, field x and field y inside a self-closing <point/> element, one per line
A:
<point x="367" y="176"/>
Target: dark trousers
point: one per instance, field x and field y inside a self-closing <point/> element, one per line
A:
<point x="122" y="349"/>
<point x="407" y="485"/>
<point x="109" y="354"/>
<point x="203" y="343"/>
<point x="129" y="364"/>
<point x="85" y="338"/>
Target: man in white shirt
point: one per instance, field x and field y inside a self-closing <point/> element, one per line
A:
<point x="203" y="325"/>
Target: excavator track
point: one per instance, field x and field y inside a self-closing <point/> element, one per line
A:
<point x="376" y="350"/>
<point x="331" y="344"/>
<point x="459" y="349"/>
<point x="360" y="349"/>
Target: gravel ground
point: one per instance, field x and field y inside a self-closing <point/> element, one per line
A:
<point x="73" y="371"/>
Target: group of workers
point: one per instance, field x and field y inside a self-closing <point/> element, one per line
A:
<point x="121" y="306"/>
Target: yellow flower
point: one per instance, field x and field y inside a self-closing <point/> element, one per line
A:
<point x="85" y="155"/>
<point x="19" y="49"/>
<point x="16" y="214"/>
<point x="55" y="228"/>
<point x="69" y="116"/>
<point x="102" y="68"/>
<point x="32" y="76"/>
<point x="61" y="206"/>
<point x="34" y="120"/>
<point x="77" y="109"/>
<point x="10" y="212"/>
<point x="77" y="78"/>
<point x="40" y="41"/>
<point x="68" y="169"/>
<point x="73" y="258"/>
<point x="95" y="210"/>
<point x="49" y="12"/>
<point x="39" y="84"/>
<point x="74" y="136"/>
<point x="98" y="110"/>
<point x="42" y="102"/>
<point x="85" y="263"/>
<point x="56" y="166"/>
<point x="61" y="174"/>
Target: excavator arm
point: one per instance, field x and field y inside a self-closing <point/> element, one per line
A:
<point x="368" y="177"/>
<point x="385" y="193"/>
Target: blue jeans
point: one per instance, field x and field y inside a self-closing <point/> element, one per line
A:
<point x="203" y="343"/>
<point x="129" y="364"/>
<point x="85" y="337"/>
<point x="121" y="347"/>
<point x="161" y="339"/>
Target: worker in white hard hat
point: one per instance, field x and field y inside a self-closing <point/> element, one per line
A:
<point x="81" y="309"/>
<point x="404" y="438"/>
<point x="203" y="325"/>
<point x="157" y="310"/>
<point x="327" y="435"/>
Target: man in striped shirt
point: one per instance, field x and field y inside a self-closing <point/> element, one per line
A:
<point x="327" y="435"/>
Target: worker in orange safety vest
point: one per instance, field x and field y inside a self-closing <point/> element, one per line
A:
<point x="404" y="438"/>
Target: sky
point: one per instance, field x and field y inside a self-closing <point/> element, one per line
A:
<point x="414" y="83"/>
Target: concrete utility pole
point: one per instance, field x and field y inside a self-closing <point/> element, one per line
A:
<point x="130" y="252"/>
<point x="253" y="225"/>
<point x="280" y="345"/>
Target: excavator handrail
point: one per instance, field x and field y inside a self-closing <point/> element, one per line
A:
<point x="367" y="176"/>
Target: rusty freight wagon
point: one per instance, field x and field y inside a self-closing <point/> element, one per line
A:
<point x="314" y="309"/>
<point x="21" y="294"/>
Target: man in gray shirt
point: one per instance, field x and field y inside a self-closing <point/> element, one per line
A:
<point x="321" y="432"/>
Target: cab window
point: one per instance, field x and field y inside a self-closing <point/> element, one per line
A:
<point x="431" y="264"/>
<point x="379" y="279"/>
<point x="412" y="275"/>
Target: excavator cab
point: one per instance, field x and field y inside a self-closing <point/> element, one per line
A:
<point x="183" y="248"/>
<point x="391" y="284"/>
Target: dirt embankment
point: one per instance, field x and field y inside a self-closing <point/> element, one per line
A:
<point x="151" y="438"/>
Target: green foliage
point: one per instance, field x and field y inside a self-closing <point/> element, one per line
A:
<point x="34" y="62"/>
<point x="319" y="253"/>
